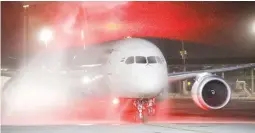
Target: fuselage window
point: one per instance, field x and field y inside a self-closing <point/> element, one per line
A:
<point x="159" y="60"/>
<point x="151" y="59"/>
<point x="130" y="60"/>
<point x="140" y="60"/>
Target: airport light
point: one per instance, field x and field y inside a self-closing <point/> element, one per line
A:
<point x="253" y="27"/>
<point x="115" y="101"/>
<point x="112" y="26"/>
<point x="189" y="83"/>
<point x="82" y="38"/>
<point x="82" y="34"/>
<point x="25" y="32"/>
<point x="46" y="35"/>
<point x="25" y="6"/>
<point x="183" y="54"/>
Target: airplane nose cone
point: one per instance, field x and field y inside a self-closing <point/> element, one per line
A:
<point x="150" y="86"/>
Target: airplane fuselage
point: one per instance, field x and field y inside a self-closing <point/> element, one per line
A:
<point x="136" y="69"/>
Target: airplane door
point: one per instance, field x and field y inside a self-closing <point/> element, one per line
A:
<point x="112" y="69"/>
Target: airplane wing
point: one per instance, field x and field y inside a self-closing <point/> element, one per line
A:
<point x="8" y="73"/>
<point x="191" y="74"/>
<point x="11" y="73"/>
<point x="91" y="65"/>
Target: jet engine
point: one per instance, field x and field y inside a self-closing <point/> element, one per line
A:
<point x="210" y="92"/>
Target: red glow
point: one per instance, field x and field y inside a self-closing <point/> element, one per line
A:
<point x="99" y="111"/>
<point x="192" y="21"/>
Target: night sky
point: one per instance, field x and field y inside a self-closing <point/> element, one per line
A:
<point x="209" y="29"/>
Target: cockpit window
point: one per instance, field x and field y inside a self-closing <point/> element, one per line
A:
<point x="130" y="60"/>
<point x="151" y="59"/>
<point x="159" y="60"/>
<point x="163" y="60"/>
<point x="140" y="60"/>
<point x="122" y="60"/>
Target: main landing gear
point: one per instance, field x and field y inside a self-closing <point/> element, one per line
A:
<point x="144" y="106"/>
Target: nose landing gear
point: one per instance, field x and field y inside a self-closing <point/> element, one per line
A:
<point x="144" y="107"/>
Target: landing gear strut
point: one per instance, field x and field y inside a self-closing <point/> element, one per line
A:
<point x="144" y="106"/>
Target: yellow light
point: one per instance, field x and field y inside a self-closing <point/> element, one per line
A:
<point x="189" y="83"/>
<point x="112" y="26"/>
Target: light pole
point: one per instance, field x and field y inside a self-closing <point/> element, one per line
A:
<point x="184" y="54"/>
<point x="253" y="69"/>
<point x="253" y="27"/>
<point x="252" y="80"/>
<point x="25" y="32"/>
<point x="81" y="18"/>
<point x="45" y="36"/>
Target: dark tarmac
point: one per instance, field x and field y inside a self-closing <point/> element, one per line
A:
<point x="174" y="110"/>
<point x="181" y="116"/>
<point x="182" y="110"/>
<point x="178" y="110"/>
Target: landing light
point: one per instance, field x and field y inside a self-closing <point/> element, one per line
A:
<point x="86" y="80"/>
<point x="45" y="36"/>
<point x="115" y="101"/>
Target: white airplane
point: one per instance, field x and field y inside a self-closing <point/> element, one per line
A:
<point x="131" y="68"/>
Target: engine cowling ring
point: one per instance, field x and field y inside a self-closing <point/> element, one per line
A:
<point x="217" y="88"/>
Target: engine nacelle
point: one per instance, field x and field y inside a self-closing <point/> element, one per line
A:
<point x="210" y="92"/>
